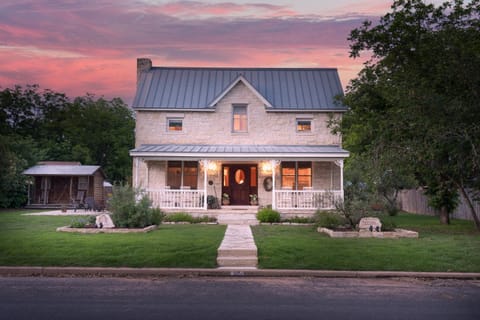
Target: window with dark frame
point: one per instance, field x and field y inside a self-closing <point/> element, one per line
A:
<point x="304" y="125"/>
<point x="296" y="175"/>
<point x="182" y="174"/>
<point x="240" y="119"/>
<point x="175" y="125"/>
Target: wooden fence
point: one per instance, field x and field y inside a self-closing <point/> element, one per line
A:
<point x="415" y="201"/>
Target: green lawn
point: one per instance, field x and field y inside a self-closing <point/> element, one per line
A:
<point x="33" y="241"/>
<point x="439" y="248"/>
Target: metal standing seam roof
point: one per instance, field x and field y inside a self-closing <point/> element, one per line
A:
<point x="61" y="170"/>
<point x="239" y="150"/>
<point x="308" y="89"/>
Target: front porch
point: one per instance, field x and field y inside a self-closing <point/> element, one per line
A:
<point x="290" y="179"/>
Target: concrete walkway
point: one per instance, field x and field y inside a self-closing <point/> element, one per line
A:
<point x="238" y="248"/>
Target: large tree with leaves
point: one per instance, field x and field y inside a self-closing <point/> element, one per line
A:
<point x="418" y="97"/>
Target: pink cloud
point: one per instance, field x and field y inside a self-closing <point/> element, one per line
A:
<point x="92" y="46"/>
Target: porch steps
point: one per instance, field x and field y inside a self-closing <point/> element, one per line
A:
<point x="238" y="248"/>
<point x="237" y="219"/>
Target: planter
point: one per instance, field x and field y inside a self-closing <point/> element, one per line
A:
<point x="226" y="202"/>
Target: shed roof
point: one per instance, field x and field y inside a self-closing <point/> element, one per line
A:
<point x="61" y="170"/>
<point x="309" y="89"/>
<point x="180" y="151"/>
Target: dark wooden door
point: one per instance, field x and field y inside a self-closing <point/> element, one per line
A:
<point x="239" y="184"/>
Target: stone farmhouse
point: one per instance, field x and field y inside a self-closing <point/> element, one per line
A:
<point x="252" y="136"/>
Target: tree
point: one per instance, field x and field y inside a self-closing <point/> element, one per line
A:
<point x="418" y="97"/>
<point x="44" y="125"/>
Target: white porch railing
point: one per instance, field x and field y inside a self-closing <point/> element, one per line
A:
<point x="176" y="198"/>
<point x="307" y="199"/>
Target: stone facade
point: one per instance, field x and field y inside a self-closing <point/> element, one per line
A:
<point x="215" y="127"/>
<point x="265" y="127"/>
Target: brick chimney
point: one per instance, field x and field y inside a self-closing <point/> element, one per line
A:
<point x="143" y="65"/>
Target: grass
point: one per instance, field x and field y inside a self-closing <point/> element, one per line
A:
<point x="439" y="248"/>
<point x="33" y="241"/>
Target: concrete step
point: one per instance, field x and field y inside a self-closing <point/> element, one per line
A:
<point x="244" y="219"/>
<point x="249" y="261"/>
<point x="232" y="252"/>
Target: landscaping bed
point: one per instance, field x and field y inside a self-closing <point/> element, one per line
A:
<point x="107" y="230"/>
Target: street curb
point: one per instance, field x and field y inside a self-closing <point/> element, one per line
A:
<point x="221" y="272"/>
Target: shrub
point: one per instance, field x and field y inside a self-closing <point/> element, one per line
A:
<point x="128" y="213"/>
<point x="185" y="217"/>
<point x="297" y="219"/>
<point x="179" y="217"/>
<point x="388" y="224"/>
<point x="79" y="223"/>
<point x="329" y="219"/>
<point x="268" y="215"/>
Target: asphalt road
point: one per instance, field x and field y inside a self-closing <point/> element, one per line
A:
<point x="238" y="298"/>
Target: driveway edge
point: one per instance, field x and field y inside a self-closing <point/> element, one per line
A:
<point x="221" y="272"/>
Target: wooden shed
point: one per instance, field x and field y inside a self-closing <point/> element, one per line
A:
<point x="56" y="184"/>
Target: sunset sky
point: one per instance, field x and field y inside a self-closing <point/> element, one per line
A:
<point x="91" y="46"/>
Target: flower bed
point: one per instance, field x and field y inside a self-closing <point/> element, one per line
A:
<point x="398" y="233"/>
<point x="107" y="230"/>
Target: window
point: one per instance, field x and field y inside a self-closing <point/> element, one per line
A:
<point x="296" y="175"/>
<point x="240" y="119"/>
<point x="175" y="125"/>
<point x="304" y="125"/>
<point x="182" y="174"/>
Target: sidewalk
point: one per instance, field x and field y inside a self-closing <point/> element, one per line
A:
<point x="220" y="272"/>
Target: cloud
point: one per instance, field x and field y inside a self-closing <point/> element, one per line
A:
<point x="92" y="46"/>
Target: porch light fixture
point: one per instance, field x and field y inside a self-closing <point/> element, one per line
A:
<point x="212" y="166"/>
<point x="266" y="167"/>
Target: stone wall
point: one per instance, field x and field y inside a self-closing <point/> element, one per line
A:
<point x="215" y="127"/>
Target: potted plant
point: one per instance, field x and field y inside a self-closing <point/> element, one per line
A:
<point x="253" y="199"/>
<point x="225" y="199"/>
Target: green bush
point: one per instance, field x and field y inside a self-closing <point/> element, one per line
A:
<point x="388" y="225"/>
<point x="185" y="217"/>
<point x="329" y="219"/>
<point x="268" y="215"/>
<point x="128" y="213"/>
<point x="179" y="217"/>
<point x="297" y="219"/>
<point x="79" y="223"/>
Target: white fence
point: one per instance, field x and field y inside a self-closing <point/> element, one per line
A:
<point x="181" y="199"/>
<point x="307" y="199"/>
<point x="415" y="201"/>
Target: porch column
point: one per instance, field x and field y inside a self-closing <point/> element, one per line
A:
<point x="274" y="165"/>
<point x="136" y="173"/>
<point x="340" y="164"/>
<point x="205" y="169"/>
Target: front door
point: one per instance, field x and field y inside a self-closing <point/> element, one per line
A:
<point x="239" y="184"/>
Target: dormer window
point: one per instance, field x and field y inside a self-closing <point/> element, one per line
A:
<point x="240" y="119"/>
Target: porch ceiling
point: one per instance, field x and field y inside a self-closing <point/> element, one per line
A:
<point x="239" y="152"/>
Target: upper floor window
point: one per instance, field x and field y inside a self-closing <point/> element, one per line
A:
<point x="240" y="118"/>
<point x="304" y="125"/>
<point x="174" y="124"/>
